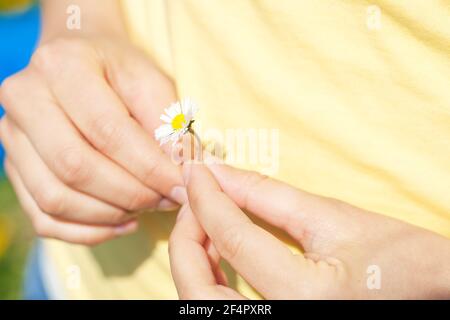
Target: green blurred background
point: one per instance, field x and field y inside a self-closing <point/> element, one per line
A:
<point x="19" y="31"/>
<point x="15" y="240"/>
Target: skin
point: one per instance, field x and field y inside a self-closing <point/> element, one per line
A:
<point x="79" y="126"/>
<point x="339" y="243"/>
<point x="81" y="158"/>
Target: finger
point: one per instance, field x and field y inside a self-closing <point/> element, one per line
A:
<point x="109" y="127"/>
<point x="145" y="90"/>
<point x="248" y="248"/>
<point x="47" y="226"/>
<point x="214" y="260"/>
<point x="187" y="236"/>
<point x="167" y="205"/>
<point x="142" y="87"/>
<point x="64" y="150"/>
<point x="189" y="262"/>
<point x="278" y="203"/>
<point x="51" y="195"/>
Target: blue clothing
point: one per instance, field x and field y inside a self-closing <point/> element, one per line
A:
<point x="34" y="288"/>
<point x="19" y="33"/>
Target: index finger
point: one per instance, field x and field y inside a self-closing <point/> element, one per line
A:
<point x="250" y="249"/>
<point x="105" y="121"/>
<point x="191" y="270"/>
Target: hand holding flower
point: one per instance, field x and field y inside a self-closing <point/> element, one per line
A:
<point x="340" y="243"/>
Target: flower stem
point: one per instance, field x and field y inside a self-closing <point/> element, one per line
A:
<point x="196" y="148"/>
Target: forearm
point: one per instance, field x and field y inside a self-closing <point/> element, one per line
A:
<point x="441" y="272"/>
<point x="100" y="18"/>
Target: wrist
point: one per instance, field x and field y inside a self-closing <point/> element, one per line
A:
<point x="96" y="32"/>
<point x="442" y="280"/>
<point x="81" y="18"/>
<point x="439" y="268"/>
<point x="89" y="30"/>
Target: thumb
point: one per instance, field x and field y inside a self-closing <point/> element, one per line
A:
<point x="288" y="208"/>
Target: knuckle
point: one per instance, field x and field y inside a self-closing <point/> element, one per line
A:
<point x="10" y="89"/>
<point x="58" y="54"/>
<point x="47" y="57"/>
<point x="231" y="242"/>
<point x="49" y="200"/>
<point x="133" y="89"/>
<point x="107" y="134"/>
<point x="16" y="92"/>
<point x="137" y="88"/>
<point x="71" y="167"/>
<point x="42" y="55"/>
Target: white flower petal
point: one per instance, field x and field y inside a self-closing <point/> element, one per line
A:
<point x="182" y="107"/>
<point x="164" y="140"/>
<point x="190" y="107"/>
<point x="166" y="118"/>
<point x="166" y="132"/>
<point x="176" y="137"/>
<point x="163" y="131"/>
<point x="179" y="108"/>
<point x="188" y="119"/>
<point x="171" y="111"/>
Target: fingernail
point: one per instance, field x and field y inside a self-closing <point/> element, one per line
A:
<point x="179" y="194"/>
<point x="167" y="205"/>
<point x="186" y="172"/>
<point x="126" y="228"/>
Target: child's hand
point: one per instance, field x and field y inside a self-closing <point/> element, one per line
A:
<point x="78" y="132"/>
<point x="348" y="252"/>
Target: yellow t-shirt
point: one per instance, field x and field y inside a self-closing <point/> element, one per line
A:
<point x="359" y="92"/>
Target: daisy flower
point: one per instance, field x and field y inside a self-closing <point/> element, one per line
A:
<point x="178" y="118"/>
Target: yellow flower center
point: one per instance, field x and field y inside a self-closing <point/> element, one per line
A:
<point x="178" y="121"/>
